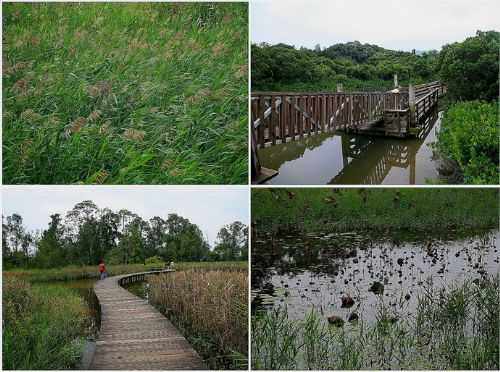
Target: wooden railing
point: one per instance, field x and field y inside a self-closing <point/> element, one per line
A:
<point x="140" y="277"/>
<point x="278" y="117"/>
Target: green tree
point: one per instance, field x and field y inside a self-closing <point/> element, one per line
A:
<point x="470" y="68"/>
<point x="232" y="242"/>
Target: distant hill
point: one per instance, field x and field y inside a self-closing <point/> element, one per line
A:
<point x="355" y="65"/>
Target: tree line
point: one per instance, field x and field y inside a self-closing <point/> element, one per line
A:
<point x="355" y="65"/>
<point x="87" y="234"/>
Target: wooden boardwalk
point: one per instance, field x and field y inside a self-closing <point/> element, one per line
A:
<point x="136" y="336"/>
<point x="280" y="117"/>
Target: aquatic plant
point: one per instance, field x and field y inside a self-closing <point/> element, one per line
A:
<point x="43" y="327"/>
<point x="211" y="309"/>
<point x="456" y="327"/>
<point x="281" y="210"/>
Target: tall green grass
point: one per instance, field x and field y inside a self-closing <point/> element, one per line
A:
<point x="374" y="209"/>
<point x="43" y="327"/>
<point x="145" y="93"/>
<point x="453" y="328"/>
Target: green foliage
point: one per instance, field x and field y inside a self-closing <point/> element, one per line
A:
<point x="155" y="260"/>
<point x="374" y="209"/>
<point x="43" y="327"/>
<point x="125" y="93"/>
<point x="232" y="242"/>
<point x="89" y="234"/>
<point x="453" y="328"/>
<point x="357" y="66"/>
<point x="470" y="68"/>
<point x="469" y="135"/>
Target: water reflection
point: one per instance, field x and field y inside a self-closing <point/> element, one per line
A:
<point x="353" y="159"/>
<point x="321" y="271"/>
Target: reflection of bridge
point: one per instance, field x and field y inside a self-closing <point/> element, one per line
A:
<point x="283" y="117"/>
<point x="372" y="162"/>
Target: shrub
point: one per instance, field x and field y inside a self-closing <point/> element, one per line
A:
<point x="155" y="260"/>
<point x="469" y="136"/>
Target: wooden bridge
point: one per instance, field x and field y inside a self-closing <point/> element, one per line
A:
<point x="282" y="117"/>
<point x="136" y="336"/>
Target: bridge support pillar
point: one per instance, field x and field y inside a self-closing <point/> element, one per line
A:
<point x="411" y="104"/>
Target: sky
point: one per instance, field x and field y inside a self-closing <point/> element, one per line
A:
<point x="393" y="24"/>
<point x="208" y="207"/>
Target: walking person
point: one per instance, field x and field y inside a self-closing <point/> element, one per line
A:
<point x="102" y="270"/>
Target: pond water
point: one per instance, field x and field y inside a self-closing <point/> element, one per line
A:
<point x="302" y="272"/>
<point x="341" y="158"/>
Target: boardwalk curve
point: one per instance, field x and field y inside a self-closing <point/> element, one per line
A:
<point x="136" y="336"/>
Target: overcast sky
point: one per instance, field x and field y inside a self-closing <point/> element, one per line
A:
<point x="209" y="208"/>
<point x="393" y="24"/>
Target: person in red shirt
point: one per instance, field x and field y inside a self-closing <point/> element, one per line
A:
<point x="102" y="270"/>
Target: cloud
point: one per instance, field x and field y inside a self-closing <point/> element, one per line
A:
<point x="209" y="207"/>
<point x="393" y="24"/>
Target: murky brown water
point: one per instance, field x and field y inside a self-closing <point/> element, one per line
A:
<point x="352" y="159"/>
<point x="302" y="272"/>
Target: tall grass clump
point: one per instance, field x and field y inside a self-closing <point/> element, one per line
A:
<point x="137" y="93"/>
<point x="43" y="327"/>
<point x="469" y="135"/>
<point x="453" y="328"/>
<point x="210" y="308"/>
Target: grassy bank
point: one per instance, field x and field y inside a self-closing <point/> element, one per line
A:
<point x="92" y="272"/>
<point x="453" y="328"/>
<point x="469" y="136"/>
<point x="374" y="209"/>
<point x="125" y="93"/>
<point x="43" y="327"/>
<point x="210" y="308"/>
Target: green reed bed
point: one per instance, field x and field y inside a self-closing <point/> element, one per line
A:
<point x="110" y="93"/>
<point x="210" y="308"/>
<point x="374" y="209"/>
<point x="43" y="327"/>
<point x="453" y="328"/>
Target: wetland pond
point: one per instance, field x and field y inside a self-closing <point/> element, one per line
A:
<point x="335" y="273"/>
<point x="341" y="158"/>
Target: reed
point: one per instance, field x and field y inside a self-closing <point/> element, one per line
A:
<point x="210" y="308"/>
<point x="456" y="327"/>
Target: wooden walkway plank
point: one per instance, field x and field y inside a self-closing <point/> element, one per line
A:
<point x="136" y="336"/>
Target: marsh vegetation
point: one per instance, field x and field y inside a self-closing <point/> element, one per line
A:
<point x="125" y="93"/>
<point x="375" y="279"/>
<point x="209" y="305"/>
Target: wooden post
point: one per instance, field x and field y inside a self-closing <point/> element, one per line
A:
<point x="396" y="81"/>
<point x="340" y="88"/>
<point x="411" y="103"/>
